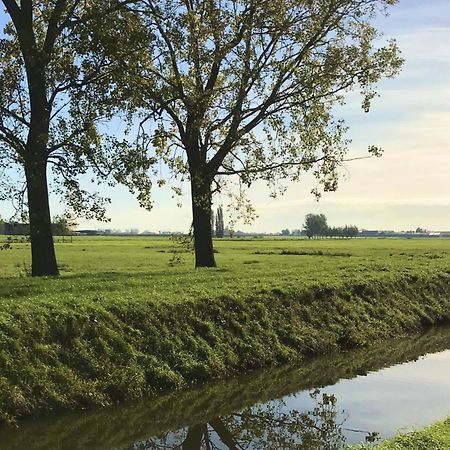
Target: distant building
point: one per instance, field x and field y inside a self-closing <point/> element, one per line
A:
<point x="88" y="232"/>
<point x="149" y="233"/>
<point x="369" y="233"/>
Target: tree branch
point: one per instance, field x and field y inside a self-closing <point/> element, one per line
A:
<point x="287" y="164"/>
<point x="22" y="120"/>
<point x="13" y="9"/>
<point x="173" y="57"/>
<point x="53" y="30"/>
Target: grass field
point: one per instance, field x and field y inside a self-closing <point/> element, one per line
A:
<point x="140" y="268"/>
<point x="124" y="319"/>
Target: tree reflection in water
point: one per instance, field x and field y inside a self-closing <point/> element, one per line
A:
<point x="262" y="427"/>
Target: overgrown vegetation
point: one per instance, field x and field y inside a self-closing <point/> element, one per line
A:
<point x="436" y="437"/>
<point x="121" y="322"/>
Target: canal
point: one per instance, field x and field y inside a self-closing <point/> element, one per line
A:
<point x="319" y="404"/>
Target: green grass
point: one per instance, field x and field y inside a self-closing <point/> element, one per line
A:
<point x="121" y="321"/>
<point x="138" y="268"/>
<point x="436" y="437"/>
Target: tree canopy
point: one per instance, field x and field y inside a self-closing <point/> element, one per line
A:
<point x="59" y="86"/>
<point x="240" y="88"/>
<point x="247" y="87"/>
<point x="315" y="225"/>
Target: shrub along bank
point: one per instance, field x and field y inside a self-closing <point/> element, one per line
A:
<point x="436" y="437"/>
<point x="74" y="353"/>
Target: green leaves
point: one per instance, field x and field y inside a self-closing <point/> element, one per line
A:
<point x="248" y="88"/>
<point x="74" y="56"/>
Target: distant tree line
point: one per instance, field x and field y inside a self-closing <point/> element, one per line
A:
<point x="348" y="231"/>
<point x="295" y="232"/>
<point x="61" y="226"/>
<point x="316" y="226"/>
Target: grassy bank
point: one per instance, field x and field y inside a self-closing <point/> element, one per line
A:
<point x="436" y="437"/>
<point x="142" y="420"/>
<point x="127" y="318"/>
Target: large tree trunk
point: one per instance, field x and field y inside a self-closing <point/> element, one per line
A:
<point x="37" y="58"/>
<point x="42" y="247"/>
<point x="201" y="219"/>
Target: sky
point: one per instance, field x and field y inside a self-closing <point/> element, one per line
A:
<point x="408" y="187"/>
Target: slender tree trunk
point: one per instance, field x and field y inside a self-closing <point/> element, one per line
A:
<point x="201" y="219"/>
<point x="42" y="247"/>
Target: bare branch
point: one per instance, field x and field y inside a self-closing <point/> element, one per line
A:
<point x="12" y="114"/>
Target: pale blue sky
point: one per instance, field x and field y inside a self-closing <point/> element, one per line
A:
<point x="406" y="188"/>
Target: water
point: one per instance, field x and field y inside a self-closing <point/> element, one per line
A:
<point x="318" y="405"/>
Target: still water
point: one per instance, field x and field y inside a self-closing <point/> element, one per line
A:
<point x="320" y="404"/>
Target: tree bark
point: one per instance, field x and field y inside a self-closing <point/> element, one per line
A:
<point x="36" y="59"/>
<point x="42" y="246"/>
<point x="201" y="219"/>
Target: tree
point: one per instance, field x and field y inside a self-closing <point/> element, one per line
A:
<point x="213" y="221"/>
<point x="220" y="227"/>
<point x="245" y="88"/>
<point x="351" y="231"/>
<point x="285" y="232"/>
<point x="336" y="232"/>
<point x="315" y="225"/>
<point x="346" y="231"/>
<point x="58" y="86"/>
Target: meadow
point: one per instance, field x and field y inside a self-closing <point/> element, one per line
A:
<point x="160" y="269"/>
<point x="130" y="316"/>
